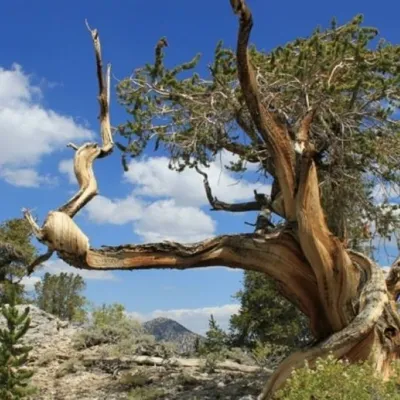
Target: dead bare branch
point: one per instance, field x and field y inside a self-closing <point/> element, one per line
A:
<point x="104" y="95"/>
<point x="217" y="205"/>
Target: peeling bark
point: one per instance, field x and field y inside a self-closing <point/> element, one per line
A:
<point x="393" y="280"/>
<point x="351" y="307"/>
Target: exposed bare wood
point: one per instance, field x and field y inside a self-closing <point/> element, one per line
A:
<point x="303" y="133"/>
<point x="73" y="146"/>
<point x="393" y="280"/>
<point x="32" y="222"/>
<point x="277" y="255"/>
<point x="273" y="133"/>
<point x="83" y="168"/>
<point x="336" y="275"/>
<point x="87" y="153"/>
<point x="104" y="95"/>
<point x="373" y="301"/>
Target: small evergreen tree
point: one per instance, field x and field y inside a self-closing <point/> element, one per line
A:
<point x="61" y="295"/>
<point x="265" y="316"/>
<point x="14" y="377"/>
<point x="216" y="338"/>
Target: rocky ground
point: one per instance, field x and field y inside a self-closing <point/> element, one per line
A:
<point x="63" y="373"/>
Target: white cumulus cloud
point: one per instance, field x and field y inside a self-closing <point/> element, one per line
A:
<point x="118" y="211"/>
<point x="164" y="220"/>
<point x="25" y="177"/>
<point x="157" y="221"/>
<point x="153" y="178"/>
<point x="165" y="204"/>
<point x="28" y="130"/>
<point x="67" y="167"/>
<point x="29" y="282"/>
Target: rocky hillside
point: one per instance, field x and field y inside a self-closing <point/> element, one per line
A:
<point x="98" y="373"/>
<point x="168" y="330"/>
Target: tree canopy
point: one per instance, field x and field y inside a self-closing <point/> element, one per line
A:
<point x="16" y="248"/>
<point x="16" y="253"/>
<point x="347" y="75"/>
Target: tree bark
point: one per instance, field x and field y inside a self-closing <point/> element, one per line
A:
<point x="350" y="306"/>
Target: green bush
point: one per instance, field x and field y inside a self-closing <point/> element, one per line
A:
<point x="268" y="354"/>
<point x="210" y="362"/>
<point x="333" y="379"/>
<point x="134" y="380"/>
<point x="146" y="393"/>
<point x="239" y="355"/>
<point x="111" y="325"/>
<point x="187" y="381"/>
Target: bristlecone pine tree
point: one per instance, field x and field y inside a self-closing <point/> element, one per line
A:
<point x="319" y="117"/>
<point x="14" y="377"/>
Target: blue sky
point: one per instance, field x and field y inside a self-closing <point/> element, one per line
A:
<point x="48" y="98"/>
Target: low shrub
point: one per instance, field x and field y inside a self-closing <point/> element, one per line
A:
<point x="210" y="362"/>
<point x="146" y="393"/>
<point x="333" y="379"/>
<point x="269" y="355"/>
<point x="240" y="356"/>
<point x="186" y="380"/>
<point x="110" y="325"/>
<point x="134" y="379"/>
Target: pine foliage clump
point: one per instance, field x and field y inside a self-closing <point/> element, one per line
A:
<point x="14" y="376"/>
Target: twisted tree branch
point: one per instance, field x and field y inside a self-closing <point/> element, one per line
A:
<point x="217" y="205"/>
<point x="274" y="134"/>
<point x="393" y="280"/>
<point x="104" y="95"/>
<point x="374" y="301"/>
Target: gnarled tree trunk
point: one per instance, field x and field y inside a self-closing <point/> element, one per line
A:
<point x="351" y="307"/>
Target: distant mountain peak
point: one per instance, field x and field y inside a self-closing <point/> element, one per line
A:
<point x="168" y="330"/>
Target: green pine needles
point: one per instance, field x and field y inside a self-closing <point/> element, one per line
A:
<point x="348" y="74"/>
<point x="14" y="377"/>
